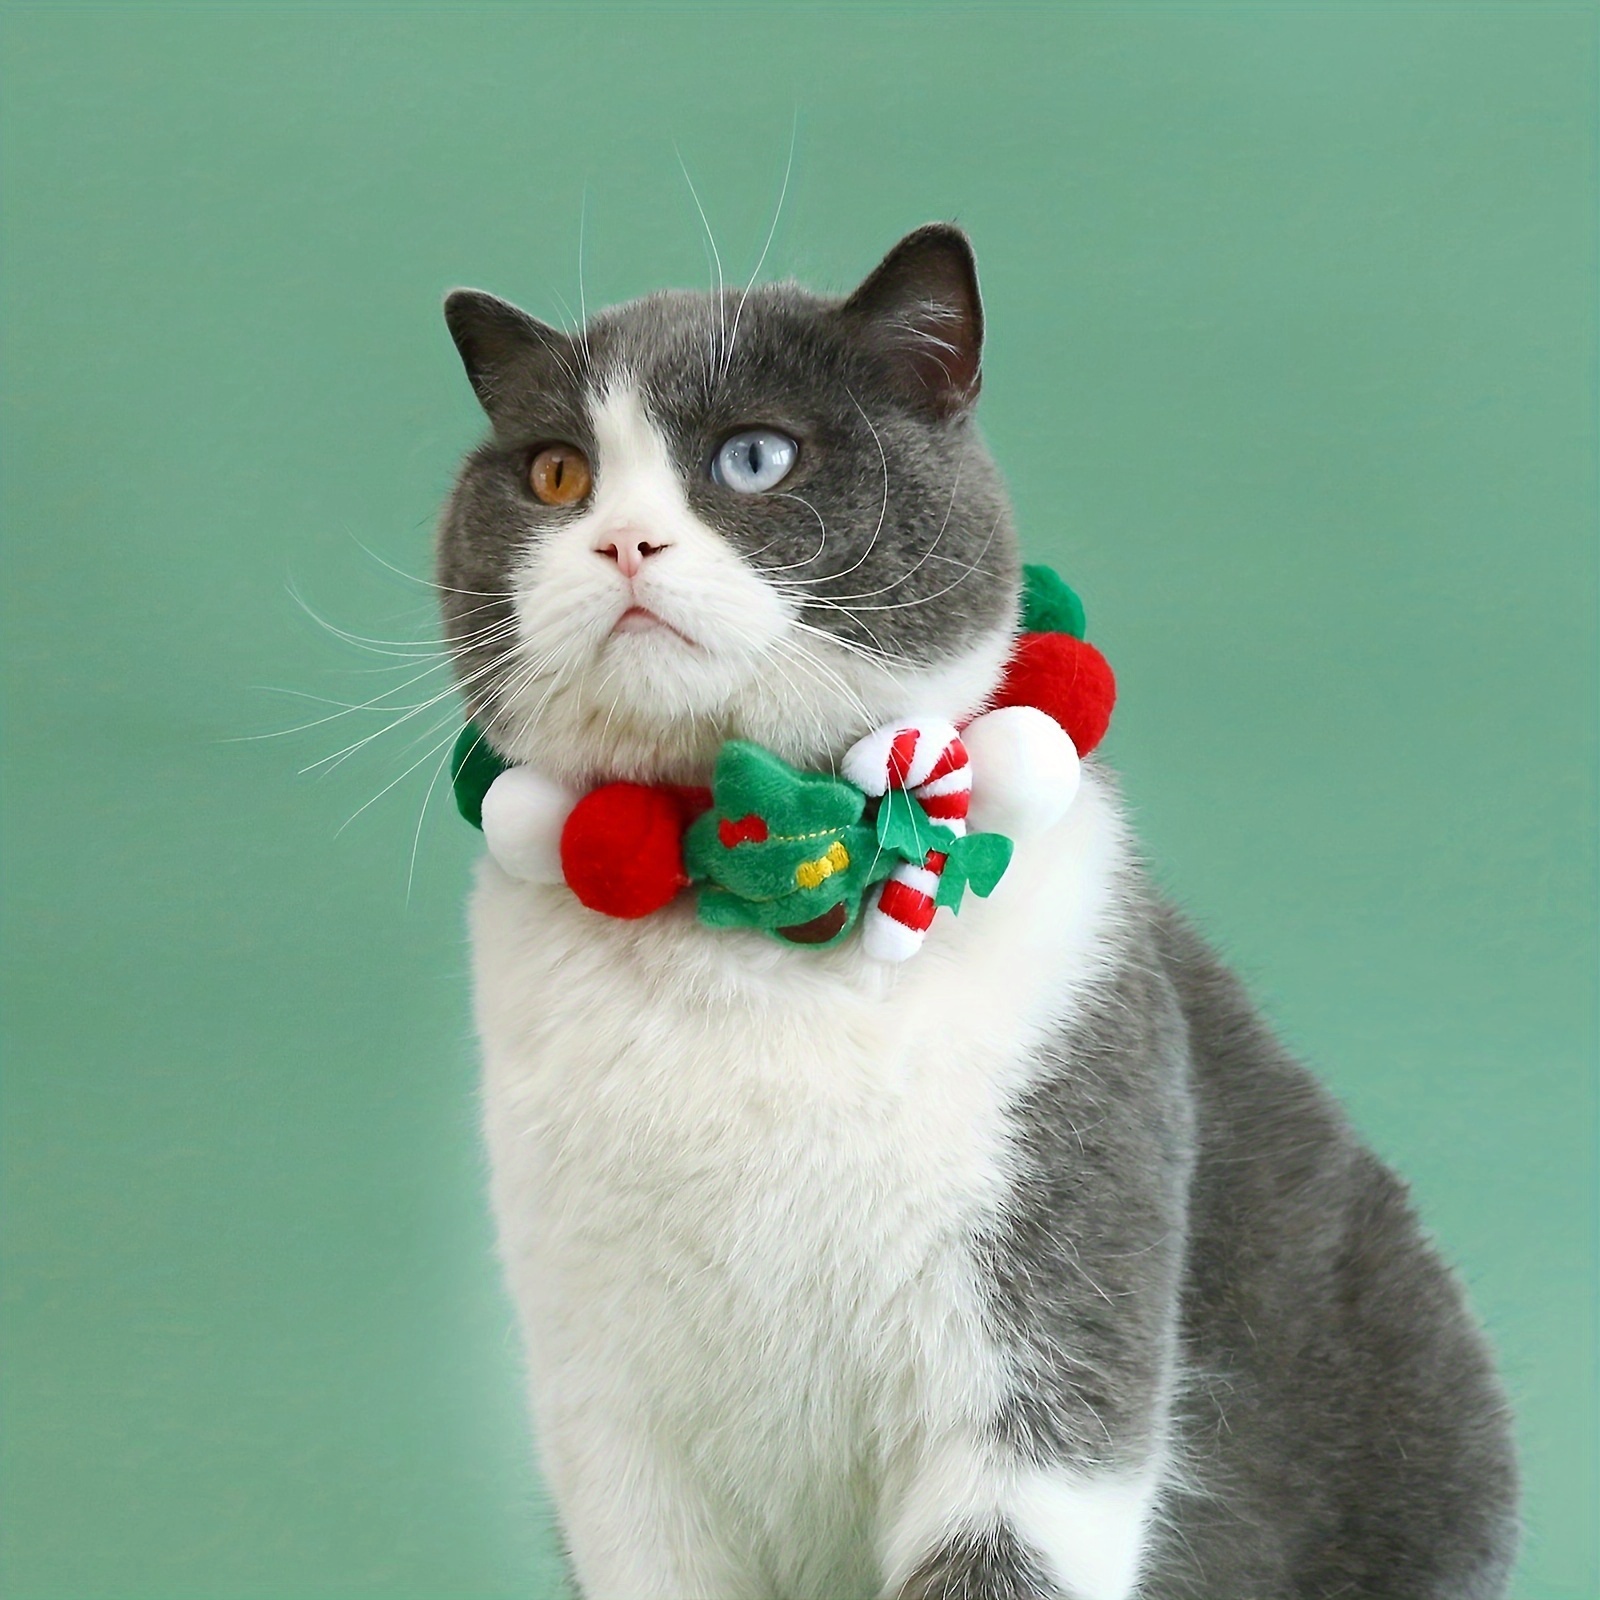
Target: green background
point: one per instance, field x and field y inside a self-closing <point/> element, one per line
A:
<point x="1291" y="366"/>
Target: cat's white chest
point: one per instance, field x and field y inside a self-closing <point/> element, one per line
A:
<point x="737" y="1185"/>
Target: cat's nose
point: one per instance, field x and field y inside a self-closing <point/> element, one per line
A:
<point x="628" y="550"/>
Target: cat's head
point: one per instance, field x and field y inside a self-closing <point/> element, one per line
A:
<point x="765" y="515"/>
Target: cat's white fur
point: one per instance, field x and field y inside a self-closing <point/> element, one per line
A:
<point x="735" y="1186"/>
<point x="736" y="1183"/>
<point x="1088" y="1531"/>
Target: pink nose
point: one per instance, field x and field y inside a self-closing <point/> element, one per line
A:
<point x="629" y="552"/>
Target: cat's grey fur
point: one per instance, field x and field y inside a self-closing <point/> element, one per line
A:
<point x="1190" y="1200"/>
<point x="1342" y="1429"/>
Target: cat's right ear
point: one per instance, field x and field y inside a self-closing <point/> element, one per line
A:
<point x="922" y="309"/>
<point x="504" y="350"/>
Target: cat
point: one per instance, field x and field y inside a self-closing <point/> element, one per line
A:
<point x="1034" y="1267"/>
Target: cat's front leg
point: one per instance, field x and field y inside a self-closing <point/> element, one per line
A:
<point x="975" y="1525"/>
<point x="634" y="1526"/>
<point x="1046" y="1489"/>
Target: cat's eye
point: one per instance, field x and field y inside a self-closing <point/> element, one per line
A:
<point x="559" y="475"/>
<point x="754" y="460"/>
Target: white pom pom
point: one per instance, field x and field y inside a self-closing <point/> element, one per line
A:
<point x="523" y="814"/>
<point x="1024" y="771"/>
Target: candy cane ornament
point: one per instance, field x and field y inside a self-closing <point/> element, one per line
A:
<point x="925" y="756"/>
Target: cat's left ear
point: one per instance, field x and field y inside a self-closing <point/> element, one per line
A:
<point x="922" y="310"/>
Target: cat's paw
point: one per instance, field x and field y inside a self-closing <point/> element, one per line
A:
<point x="1024" y="771"/>
<point x="523" y="815"/>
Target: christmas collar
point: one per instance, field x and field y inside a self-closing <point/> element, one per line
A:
<point x="802" y="856"/>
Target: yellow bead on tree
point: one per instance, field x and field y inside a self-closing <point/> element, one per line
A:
<point x="810" y="873"/>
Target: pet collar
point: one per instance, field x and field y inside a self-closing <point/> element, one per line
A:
<point x="802" y="856"/>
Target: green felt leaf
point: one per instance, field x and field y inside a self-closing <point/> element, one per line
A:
<point x="984" y="859"/>
<point x="1049" y="604"/>
<point x="978" y="861"/>
<point x="906" y="830"/>
<point x="474" y="765"/>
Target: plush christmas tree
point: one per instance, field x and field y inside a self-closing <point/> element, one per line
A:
<point x="782" y="850"/>
<point x="788" y="852"/>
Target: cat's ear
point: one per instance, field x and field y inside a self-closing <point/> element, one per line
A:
<point x="503" y="349"/>
<point x="921" y="308"/>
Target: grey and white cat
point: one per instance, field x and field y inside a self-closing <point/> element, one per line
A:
<point x="1032" y="1267"/>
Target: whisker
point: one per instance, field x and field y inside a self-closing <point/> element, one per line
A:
<point x="533" y="713"/>
<point x="716" y="256"/>
<point x="761" y="261"/>
<point x="376" y="703"/>
<point x="815" y="716"/>
<point x="416" y="838"/>
<point x="525" y="676"/>
<point x="566" y="311"/>
<point x="386" y="646"/>
<point x="928" y="555"/>
<point x="877" y="657"/>
<point x="458" y="686"/>
<point x="411" y="577"/>
<point x="583" y="304"/>
<point x="808" y="659"/>
<point x="966" y="572"/>
<point x="331" y="763"/>
<point x="883" y="511"/>
<point x="790" y="566"/>
<point x="315" y="699"/>
<point x="814" y="603"/>
<point x="832" y="672"/>
<point x="448" y="739"/>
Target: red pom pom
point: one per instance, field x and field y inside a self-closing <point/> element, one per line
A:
<point x="1065" y="678"/>
<point x="622" y="849"/>
<point x="690" y="799"/>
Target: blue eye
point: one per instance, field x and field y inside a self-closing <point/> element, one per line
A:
<point x="754" y="461"/>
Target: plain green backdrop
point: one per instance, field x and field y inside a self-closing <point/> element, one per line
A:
<point x="1291" y="368"/>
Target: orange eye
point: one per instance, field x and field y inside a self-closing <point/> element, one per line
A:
<point x="559" y="475"/>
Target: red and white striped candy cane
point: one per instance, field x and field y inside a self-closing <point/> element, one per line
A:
<point x="926" y="756"/>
